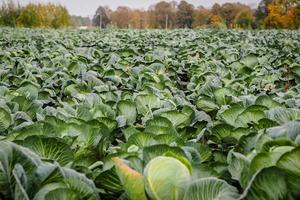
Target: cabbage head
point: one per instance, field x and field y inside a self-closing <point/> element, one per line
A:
<point x="166" y="178"/>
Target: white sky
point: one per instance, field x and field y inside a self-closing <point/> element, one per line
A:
<point x="88" y="7"/>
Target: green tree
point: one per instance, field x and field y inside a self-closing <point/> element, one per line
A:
<point x="185" y="15"/>
<point x="59" y="16"/>
<point x="164" y="15"/>
<point x="44" y="16"/>
<point x="244" y="19"/>
<point x="216" y="9"/>
<point x="297" y="16"/>
<point x="29" y="16"/>
<point x="101" y="17"/>
<point x="229" y="12"/>
<point x="9" y="12"/>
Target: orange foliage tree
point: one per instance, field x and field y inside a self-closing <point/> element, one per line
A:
<point x="215" y="19"/>
<point x="275" y="18"/>
<point x="283" y="14"/>
<point x="202" y="16"/>
<point x="121" y="17"/>
<point x="138" y="19"/>
<point x="217" y="22"/>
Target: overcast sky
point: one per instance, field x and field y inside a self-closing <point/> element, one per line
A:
<point x="88" y="7"/>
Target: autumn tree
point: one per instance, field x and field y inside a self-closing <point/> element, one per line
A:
<point x="229" y="12"/>
<point x="124" y="17"/>
<point x="283" y="14"/>
<point x="151" y="17"/>
<point x="138" y="19"/>
<point x="262" y="10"/>
<point x="216" y="9"/>
<point x="274" y="18"/>
<point x="202" y="16"/>
<point x="217" y="22"/>
<point x="101" y="18"/>
<point x="185" y="15"/>
<point x="163" y="15"/>
<point x="121" y="17"/>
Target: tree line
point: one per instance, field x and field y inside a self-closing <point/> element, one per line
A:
<point x="269" y="14"/>
<point x="163" y="15"/>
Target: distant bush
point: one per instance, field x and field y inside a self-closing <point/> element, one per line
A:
<point x="220" y="26"/>
<point x="44" y="15"/>
<point x="34" y="15"/>
<point x="80" y="21"/>
<point x="9" y="13"/>
<point x="217" y="22"/>
<point x="244" y="19"/>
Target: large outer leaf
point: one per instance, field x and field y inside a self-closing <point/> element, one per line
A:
<point x="268" y="159"/>
<point x="29" y="90"/>
<point x="237" y="164"/>
<point x="211" y="189"/>
<point x="132" y="181"/>
<point x="141" y="140"/>
<point x="290" y="130"/>
<point x="53" y="177"/>
<point x="267" y="101"/>
<point x="5" y="119"/>
<point x="278" y="142"/>
<point x="16" y="162"/>
<point x="177" y="118"/>
<point x="206" y="104"/>
<point x="153" y="151"/>
<point x="160" y="125"/>
<point x="290" y="161"/>
<point x="222" y="94"/>
<point x="49" y="148"/>
<point x="231" y="114"/>
<point x="146" y="102"/>
<point x="267" y="184"/>
<point x="249" y="116"/>
<point x="283" y="115"/>
<point x="21" y="183"/>
<point x="249" y="60"/>
<point x="110" y="182"/>
<point x="61" y="191"/>
<point x="62" y="194"/>
<point x="41" y="194"/>
<point x="127" y="109"/>
<point x="165" y="139"/>
<point x="222" y="131"/>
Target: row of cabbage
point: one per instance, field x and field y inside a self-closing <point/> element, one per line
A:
<point x="180" y="114"/>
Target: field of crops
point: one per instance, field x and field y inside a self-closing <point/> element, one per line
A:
<point x="162" y="115"/>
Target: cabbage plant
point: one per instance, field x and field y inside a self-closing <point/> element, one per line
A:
<point x="166" y="178"/>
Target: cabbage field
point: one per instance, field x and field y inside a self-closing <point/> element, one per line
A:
<point x="151" y="114"/>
